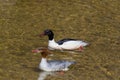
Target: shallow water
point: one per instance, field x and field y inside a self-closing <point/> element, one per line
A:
<point x="97" y="22"/>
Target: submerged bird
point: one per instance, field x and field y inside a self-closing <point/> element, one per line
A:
<point x="52" y="65"/>
<point x="64" y="44"/>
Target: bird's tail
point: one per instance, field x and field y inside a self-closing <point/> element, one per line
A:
<point x="85" y="43"/>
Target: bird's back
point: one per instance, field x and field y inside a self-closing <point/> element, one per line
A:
<point x="59" y="65"/>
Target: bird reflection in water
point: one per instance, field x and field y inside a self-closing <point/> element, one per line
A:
<point x="44" y="74"/>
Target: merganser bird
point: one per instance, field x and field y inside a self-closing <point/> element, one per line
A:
<point x="64" y="44"/>
<point x="52" y="65"/>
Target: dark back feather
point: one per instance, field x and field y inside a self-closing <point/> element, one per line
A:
<point x="60" y="42"/>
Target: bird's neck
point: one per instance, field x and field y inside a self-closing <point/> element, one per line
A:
<point x="51" y="37"/>
<point x="43" y="61"/>
<point x="52" y="41"/>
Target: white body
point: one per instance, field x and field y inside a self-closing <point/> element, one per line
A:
<point x="54" y="65"/>
<point x="68" y="45"/>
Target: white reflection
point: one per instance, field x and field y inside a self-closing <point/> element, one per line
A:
<point x="44" y="74"/>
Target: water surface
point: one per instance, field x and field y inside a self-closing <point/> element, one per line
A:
<point x="97" y="22"/>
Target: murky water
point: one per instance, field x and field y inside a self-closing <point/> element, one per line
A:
<point x="97" y="22"/>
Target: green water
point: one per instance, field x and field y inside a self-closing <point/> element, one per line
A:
<point x="95" y="21"/>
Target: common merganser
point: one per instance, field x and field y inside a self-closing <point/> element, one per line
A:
<point x="64" y="44"/>
<point x="52" y="65"/>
